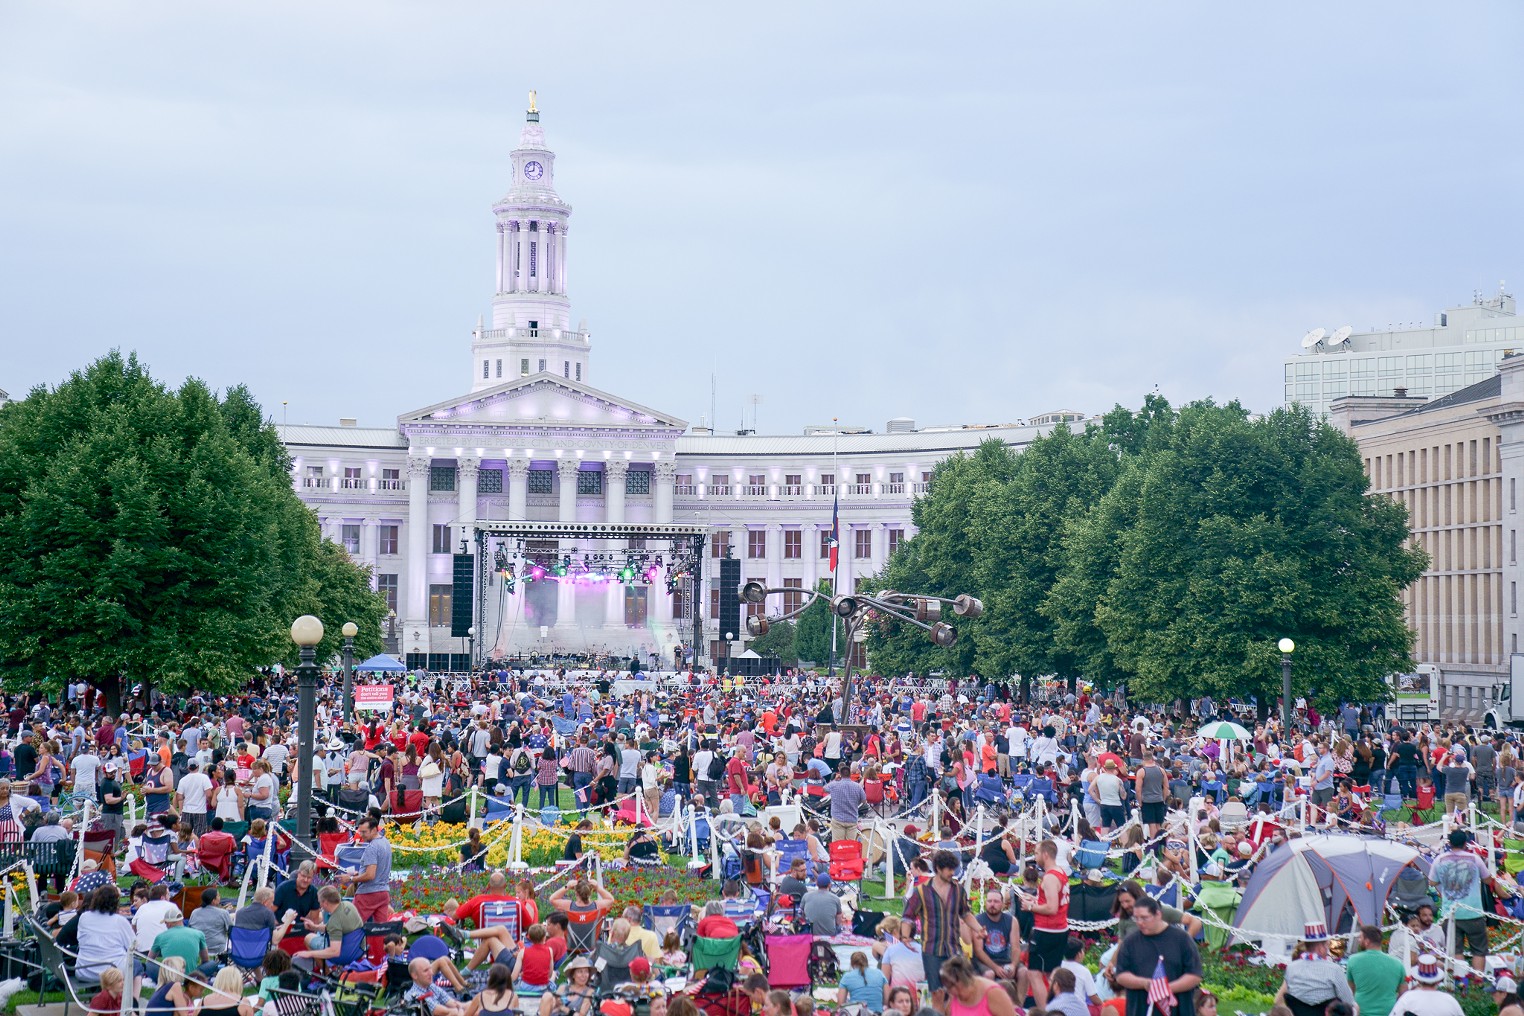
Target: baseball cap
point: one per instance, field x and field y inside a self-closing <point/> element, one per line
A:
<point x="640" y="967"/>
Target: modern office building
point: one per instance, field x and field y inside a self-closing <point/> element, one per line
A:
<point x="1463" y="346"/>
<point x="1456" y="462"/>
<point x="532" y="440"/>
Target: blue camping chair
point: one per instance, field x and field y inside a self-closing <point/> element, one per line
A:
<point x="351" y="948"/>
<point x="1021" y="783"/>
<point x="1214" y="790"/>
<point x="989" y="790"/>
<point x="428" y="947"/>
<point x="349" y="856"/>
<point x="499" y="809"/>
<point x="660" y="919"/>
<point x="1091" y="854"/>
<point x="247" y="946"/>
<point x="1167" y="895"/>
<point x="1043" y="788"/>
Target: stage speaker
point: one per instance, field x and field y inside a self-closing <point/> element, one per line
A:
<point x="460" y="597"/>
<point x="730" y="599"/>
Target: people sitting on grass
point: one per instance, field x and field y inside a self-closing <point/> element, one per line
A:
<point x="397" y="951"/>
<point x="432" y="997"/>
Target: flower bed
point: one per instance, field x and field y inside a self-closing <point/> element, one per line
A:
<point x="439" y="845"/>
<point x="425" y="892"/>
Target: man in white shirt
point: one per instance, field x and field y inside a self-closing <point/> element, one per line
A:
<point x="277" y="754"/>
<point x="149" y="920"/>
<point x="86" y="767"/>
<point x="192" y="795"/>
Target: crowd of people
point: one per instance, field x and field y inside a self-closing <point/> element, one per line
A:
<point x="1174" y="811"/>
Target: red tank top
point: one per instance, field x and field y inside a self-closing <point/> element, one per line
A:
<point x="1059" y="920"/>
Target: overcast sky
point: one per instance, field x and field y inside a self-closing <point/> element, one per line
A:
<point x="955" y="212"/>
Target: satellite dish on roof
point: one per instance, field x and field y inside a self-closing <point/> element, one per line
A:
<point x="1339" y="337"/>
<point x="1313" y="337"/>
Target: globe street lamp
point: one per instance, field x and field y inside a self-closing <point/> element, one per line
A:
<point x="350" y="631"/>
<point x="924" y="612"/>
<point x="471" y="649"/>
<point x="306" y="632"/>
<point x="1287" y="647"/>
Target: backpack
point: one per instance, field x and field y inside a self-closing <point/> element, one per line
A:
<point x="521" y="761"/>
<point x="716" y="768"/>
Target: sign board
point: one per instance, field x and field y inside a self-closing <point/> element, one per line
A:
<point x="374" y="696"/>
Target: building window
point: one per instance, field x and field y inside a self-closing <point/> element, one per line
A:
<point x="756" y="543"/>
<point x="756" y="609"/>
<point x="863" y="479"/>
<point x="485" y="366"/>
<point x="533" y="257"/>
<point x="862" y="543"/>
<point x="386" y="585"/>
<point x="828" y="483"/>
<point x="441" y="539"/>
<point x="524" y="367"/>
<point x="825" y="543"/>
<point x="637" y="481"/>
<point x="442" y="478"/>
<point x="793" y="543"/>
<point x="441" y="599"/>
<point x="579" y="371"/>
<point x="719" y="546"/>
<point x="391" y="479"/>
<point x="636" y="543"/>
<point x="794" y="598"/>
<point x="566" y="369"/>
<point x="387" y="539"/>
<point x="500" y="368"/>
<point x="680" y="599"/>
<point x="714" y="599"/>
<point x="349" y="536"/>
<point x="541" y="481"/>
<point x="589" y="482"/>
<point x="489" y="481"/>
<point x="542" y="366"/>
<point x="896" y="477"/>
<point x="896" y="537"/>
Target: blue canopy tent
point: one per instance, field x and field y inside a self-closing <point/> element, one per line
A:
<point x="383" y="664"/>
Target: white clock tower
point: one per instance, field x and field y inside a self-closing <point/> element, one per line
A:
<point x="531" y="331"/>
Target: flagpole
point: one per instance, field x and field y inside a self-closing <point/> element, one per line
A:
<point x="836" y="501"/>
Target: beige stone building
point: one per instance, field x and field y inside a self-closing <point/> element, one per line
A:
<point x="1443" y="459"/>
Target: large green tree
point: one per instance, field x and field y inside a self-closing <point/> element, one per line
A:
<point x="812" y="629"/>
<point x="1246" y="530"/>
<point x="1018" y="553"/>
<point x="152" y="535"/>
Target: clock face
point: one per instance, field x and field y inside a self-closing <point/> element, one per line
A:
<point x="533" y="170"/>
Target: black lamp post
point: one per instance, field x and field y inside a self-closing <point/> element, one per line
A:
<point x="306" y="632"/>
<point x="350" y="631"/>
<point x="1287" y="647"/>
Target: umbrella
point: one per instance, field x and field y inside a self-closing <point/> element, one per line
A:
<point x="1223" y="730"/>
<point x="382" y="663"/>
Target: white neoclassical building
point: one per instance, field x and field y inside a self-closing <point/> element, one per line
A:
<point x="533" y="440"/>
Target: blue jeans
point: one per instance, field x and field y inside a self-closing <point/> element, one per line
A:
<point x="580" y="782"/>
<point x="549" y="795"/>
<point x="626" y="784"/>
<point x="917" y="792"/>
<point x="519" y="786"/>
<point x="1407" y="778"/>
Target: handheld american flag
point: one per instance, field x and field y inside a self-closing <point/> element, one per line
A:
<point x="1159" y="995"/>
<point x="835" y="530"/>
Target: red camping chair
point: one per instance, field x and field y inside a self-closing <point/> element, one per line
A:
<point x="328" y="845"/>
<point x="409" y="805"/>
<point x="215" y="853"/>
<point x="846" y="860"/>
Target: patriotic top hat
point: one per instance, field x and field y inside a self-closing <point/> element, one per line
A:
<point x="1428" y="970"/>
<point x="1315" y="931"/>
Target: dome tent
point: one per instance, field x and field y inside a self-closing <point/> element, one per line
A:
<point x="1339" y="880"/>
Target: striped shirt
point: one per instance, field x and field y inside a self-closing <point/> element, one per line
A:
<point x="940" y="918"/>
<point x="581" y="759"/>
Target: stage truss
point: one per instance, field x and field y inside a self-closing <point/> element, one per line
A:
<point x="682" y="541"/>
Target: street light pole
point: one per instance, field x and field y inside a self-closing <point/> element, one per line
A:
<point x="350" y="631"/>
<point x="306" y="632"/>
<point x="1287" y="647"/>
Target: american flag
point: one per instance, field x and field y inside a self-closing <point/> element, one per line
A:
<point x="1159" y="995"/>
<point x="835" y="529"/>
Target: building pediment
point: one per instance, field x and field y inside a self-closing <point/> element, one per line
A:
<point x="542" y="402"/>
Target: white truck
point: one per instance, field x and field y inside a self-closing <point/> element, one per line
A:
<point x="1415" y="696"/>
<point x="1508" y="710"/>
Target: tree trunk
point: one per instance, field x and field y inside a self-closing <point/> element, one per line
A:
<point x="1026" y="690"/>
<point x="111" y="687"/>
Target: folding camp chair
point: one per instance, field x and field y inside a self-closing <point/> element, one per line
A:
<point x="583" y="929"/>
<point x="788" y="960"/>
<point x="499" y="809"/>
<point x="100" y="847"/>
<point x="349" y="856"/>
<point x="328" y="844"/>
<point x="846" y="860"/>
<point x="715" y="952"/>
<point x="409" y="805"/>
<point x="501" y="914"/>
<point x="247" y="946"/>
<point x="1091" y="854"/>
<point x="662" y="919"/>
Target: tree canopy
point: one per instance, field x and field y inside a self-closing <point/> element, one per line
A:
<point x="152" y="535"/>
<point x="1165" y="549"/>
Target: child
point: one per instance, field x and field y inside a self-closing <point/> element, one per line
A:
<point x="672" y="954"/>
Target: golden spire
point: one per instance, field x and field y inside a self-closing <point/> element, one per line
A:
<point x="531" y="102"/>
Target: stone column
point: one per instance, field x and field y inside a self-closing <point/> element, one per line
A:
<point x="370" y="542"/>
<point x="809" y="551"/>
<point x="465" y="493"/>
<point x="549" y="261"/>
<point x="567" y="470"/>
<point x="502" y="256"/>
<point x="614" y="473"/>
<point x="416" y="601"/>
<point x="666" y="480"/>
<point x="518" y="490"/>
<point x="561" y="232"/>
<point x="774" y="559"/>
<point x="880" y="546"/>
<point x="846" y="565"/>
